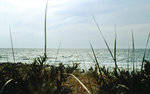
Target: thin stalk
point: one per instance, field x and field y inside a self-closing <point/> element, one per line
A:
<point x="103" y="37"/>
<point x="58" y="51"/>
<point x="136" y="65"/>
<point x="133" y="50"/>
<point x="81" y="83"/>
<point x="96" y="59"/>
<point x="5" y="85"/>
<point x="115" y="59"/>
<point x="105" y="42"/>
<point x="11" y="43"/>
<point x="128" y="59"/>
<point x="145" y="51"/>
<point x="45" y="46"/>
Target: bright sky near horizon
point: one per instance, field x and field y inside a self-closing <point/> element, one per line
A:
<point x="70" y="21"/>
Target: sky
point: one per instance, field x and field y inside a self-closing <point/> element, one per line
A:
<point x="70" y="22"/>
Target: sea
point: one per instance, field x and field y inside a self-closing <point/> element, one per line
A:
<point x="84" y="56"/>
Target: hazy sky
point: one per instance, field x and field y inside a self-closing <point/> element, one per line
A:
<point x="70" y="21"/>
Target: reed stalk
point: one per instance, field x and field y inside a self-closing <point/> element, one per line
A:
<point x="115" y="48"/>
<point x="133" y="50"/>
<point x="58" y="51"/>
<point x="81" y="84"/>
<point x="113" y="57"/>
<point x="128" y="58"/>
<point x="96" y="59"/>
<point x="11" y="44"/>
<point x="145" y="51"/>
<point x="103" y="37"/>
<point x="4" y="86"/>
<point x="45" y="46"/>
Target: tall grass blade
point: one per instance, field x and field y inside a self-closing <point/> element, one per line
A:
<point x="106" y="43"/>
<point x="45" y="46"/>
<point x="133" y="50"/>
<point x="81" y="83"/>
<point x="128" y="59"/>
<point x="4" y="86"/>
<point x="58" y="51"/>
<point x="145" y="51"/>
<point x="115" y="46"/>
<point x="103" y="37"/>
<point x="96" y="59"/>
<point x="11" y="43"/>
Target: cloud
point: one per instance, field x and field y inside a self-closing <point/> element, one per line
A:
<point x="70" y="21"/>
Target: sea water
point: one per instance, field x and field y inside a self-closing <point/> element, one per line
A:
<point x="82" y="56"/>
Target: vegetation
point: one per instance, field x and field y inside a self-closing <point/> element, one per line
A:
<point x="36" y="78"/>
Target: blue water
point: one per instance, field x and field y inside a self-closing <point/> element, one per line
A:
<point x="69" y="56"/>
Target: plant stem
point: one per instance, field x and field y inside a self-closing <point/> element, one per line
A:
<point x="11" y="43"/>
<point x="45" y="53"/>
<point x="133" y="50"/>
<point x="145" y="51"/>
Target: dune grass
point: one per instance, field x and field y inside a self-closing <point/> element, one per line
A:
<point x="145" y="51"/>
<point x="50" y="79"/>
<point x="97" y="63"/>
<point x="133" y="50"/>
<point x="113" y="56"/>
<point x="45" y="32"/>
<point x="42" y="59"/>
<point x="81" y="84"/>
<point x="58" y="51"/>
<point x="11" y="40"/>
<point x="128" y="59"/>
